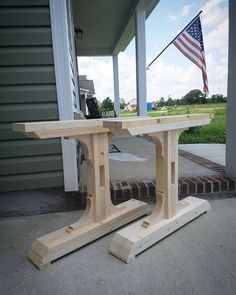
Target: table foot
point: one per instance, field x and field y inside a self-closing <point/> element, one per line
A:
<point x="134" y="239"/>
<point x="62" y="241"/>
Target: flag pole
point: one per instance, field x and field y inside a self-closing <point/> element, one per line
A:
<point x="172" y="41"/>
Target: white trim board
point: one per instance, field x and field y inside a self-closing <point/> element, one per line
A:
<point x="60" y="41"/>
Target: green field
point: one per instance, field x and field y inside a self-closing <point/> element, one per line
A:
<point x="212" y="133"/>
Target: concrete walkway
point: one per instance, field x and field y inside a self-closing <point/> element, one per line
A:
<point x="137" y="159"/>
<point x="212" y="152"/>
<point x="200" y="258"/>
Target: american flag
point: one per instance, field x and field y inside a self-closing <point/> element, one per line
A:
<point x="190" y="43"/>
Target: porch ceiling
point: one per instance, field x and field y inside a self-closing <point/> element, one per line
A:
<point x="108" y="25"/>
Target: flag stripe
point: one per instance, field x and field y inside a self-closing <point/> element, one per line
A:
<point x="192" y="41"/>
<point x="195" y="54"/>
<point x="191" y="48"/>
<point x="187" y="55"/>
<point x="192" y="58"/>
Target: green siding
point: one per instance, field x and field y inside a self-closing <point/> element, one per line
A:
<point x="25" y="36"/>
<point x="28" y="112"/>
<point x="24" y="3"/>
<point x="6" y="133"/>
<point x="24" y="16"/>
<point x="26" y="75"/>
<point x="21" y="165"/>
<point x="25" y="56"/>
<point x="29" y="147"/>
<point x="27" y="93"/>
<point x="31" y="181"/>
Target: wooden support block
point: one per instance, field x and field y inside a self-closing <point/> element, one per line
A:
<point x="137" y="237"/>
<point x="62" y="241"/>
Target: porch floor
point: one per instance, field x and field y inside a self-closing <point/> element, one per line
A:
<point x="200" y="258"/>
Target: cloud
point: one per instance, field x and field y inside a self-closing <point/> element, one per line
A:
<point x="100" y="71"/>
<point x="184" y="12"/>
<point x="213" y="13"/>
<point x="218" y="38"/>
<point x="173" y="17"/>
<point x="163" y="78"/>
<point x="215" y="23"/>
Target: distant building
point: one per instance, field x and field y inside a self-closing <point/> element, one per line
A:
<point x="87" y="90"/>
<point x="86" y="84"/>
<point x="132" y="105"/>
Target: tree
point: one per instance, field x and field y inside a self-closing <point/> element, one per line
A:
<point x="170" y="102"/>
<point x="217" y="98"/>
<point x="177" y="102"/>
<point x="122" y="104"/>
<point x="107" y="104"/>
<point x="161" y="102"/>
<point x="194" y="96"/>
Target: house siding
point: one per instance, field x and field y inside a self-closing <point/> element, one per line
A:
<point x="27" y="93"/>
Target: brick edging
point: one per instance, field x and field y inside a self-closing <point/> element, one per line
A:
<point x="202" y="161"/>
<point x="145" y="189"/>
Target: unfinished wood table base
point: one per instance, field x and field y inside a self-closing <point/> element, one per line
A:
<point x="62" y="241"/>
<point x="169" y="213"/>
<point x="100" y="216"/>
<point x="135" y="238"/>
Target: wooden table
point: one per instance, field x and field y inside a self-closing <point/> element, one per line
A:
<point x="100" y="216"/>
<point x="169" y="214"/>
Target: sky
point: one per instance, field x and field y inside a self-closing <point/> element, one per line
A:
<point x="172" y="73"/>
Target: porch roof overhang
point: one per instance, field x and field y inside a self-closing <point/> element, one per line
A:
<point x="108" y="26"/>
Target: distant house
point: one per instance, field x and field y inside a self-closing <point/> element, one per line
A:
<point x="87" y="84"/>
<point x="87" y="90"/>
<point x="132" y="105"/>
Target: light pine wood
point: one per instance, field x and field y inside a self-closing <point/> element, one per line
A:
<point x="55" y="125"/>
<point x="47" y="248"/>
<point x="67" y="133"/>
<point x="100" y="215"/>
<point x="127" y="122"/>
<point x="169" y="214"/>
<point x="135" y="238"/>
<point x="142" y="125"/>
<point x="52" y="129"/>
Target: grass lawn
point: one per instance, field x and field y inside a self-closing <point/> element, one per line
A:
<point x="212" y="133"/>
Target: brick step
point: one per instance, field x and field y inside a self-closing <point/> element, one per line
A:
<point x="145" y="189"/>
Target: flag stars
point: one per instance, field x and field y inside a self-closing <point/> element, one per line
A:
<point x="195" y="31"/>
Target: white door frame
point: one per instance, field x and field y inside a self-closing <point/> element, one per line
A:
<point x="60" y="42"/>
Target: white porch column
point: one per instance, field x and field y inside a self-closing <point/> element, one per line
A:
<point x="116" y="85"/>
<point x="140" y="44"/>
<point x="62" y="58"/>
<point x="231" y="101"/>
